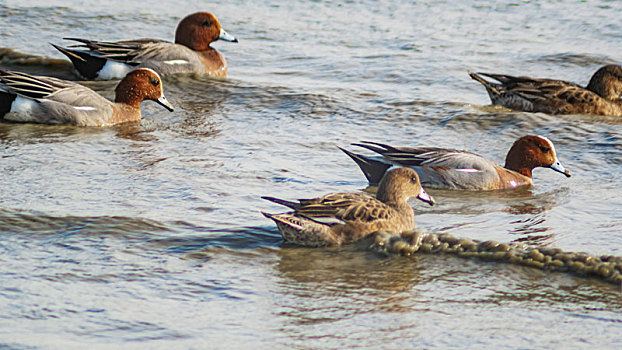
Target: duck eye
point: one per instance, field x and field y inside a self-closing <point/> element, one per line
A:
<point x="155" y="82"/>
<point x="544" y="149"/>
<point x="207" y="23"/>
<point x="414" y="180"/>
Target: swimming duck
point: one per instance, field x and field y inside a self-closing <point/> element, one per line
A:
<point x="191" y="52"/>
<point x="451" y="169"/>
<point x="340" y="218"/>
<point x="45" y="100"/>
<point x="601" y="96"/>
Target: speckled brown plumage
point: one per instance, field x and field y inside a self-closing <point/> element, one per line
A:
<point x="601" y="96"/>
<point x="340" y="218"/>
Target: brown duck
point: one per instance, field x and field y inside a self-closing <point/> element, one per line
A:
<point x="340" y="218"/>
<point x="601" y="96"/>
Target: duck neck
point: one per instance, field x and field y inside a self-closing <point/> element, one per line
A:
<point x="519" y="161"/>
<point x="193" y="39"/>
<point x="399" y="203"/>
<point x="130" y="97"/>
<point x="521" y="170"/>
<point x="214" y="62"/>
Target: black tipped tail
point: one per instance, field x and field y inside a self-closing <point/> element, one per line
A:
<point x="289" y="204"/>
<point x="274" y="217"/>
<point x="494" y="90"/>
<point x="268" y="215"/>
<point x="479" y="79"/>
<point x="373" y="169"/>
<point x="86" y="64"/>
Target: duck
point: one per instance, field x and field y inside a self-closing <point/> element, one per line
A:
<point x="191" y="52"/>
<point x="343" y="217"/>
<point x="600" y="97"/>
<point x="45" y="100"/>
<point x="451" y="169"/>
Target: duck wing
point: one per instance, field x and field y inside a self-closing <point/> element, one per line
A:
<point x="123" y="51"/>
<point x="541" y="95"/>
<point x="35" y="87"/>
<point x="429" y="157"/>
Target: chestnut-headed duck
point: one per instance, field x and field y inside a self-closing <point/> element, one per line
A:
<point x="45" y="100"/>
<point x="340" y="218"/>
<point x="191" y="52"/>
<point x="601" y="96"/>
<point x="451" y="169"/>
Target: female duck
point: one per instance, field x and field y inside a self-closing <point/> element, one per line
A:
<point x="601" y="96"/>
<point x="340" y="218"/>
<point x="451" y="169"/>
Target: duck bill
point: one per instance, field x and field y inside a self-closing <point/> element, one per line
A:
<point x="557" y="166"/>
<point x="227" y="37"/>
<point x="164" y="103"/>
<point x="423" y="196"/>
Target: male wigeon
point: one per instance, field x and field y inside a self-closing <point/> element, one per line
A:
<point x="340" y="218"/>
<point x="35" y="99"/>
<point x="450" y="169"/>
<point x="191" y="52"/>
<point x="601" y="96"/>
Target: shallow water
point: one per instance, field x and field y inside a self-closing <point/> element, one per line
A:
<point x="150" y="235"/>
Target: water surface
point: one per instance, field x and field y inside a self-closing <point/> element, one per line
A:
<point x="150" y="235"/>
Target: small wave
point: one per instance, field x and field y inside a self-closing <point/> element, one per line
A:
<point x="233" y="239"/>
<point x="35" y="64"/>
<point x="39" y="223"/>
<point x="574" y="59"/>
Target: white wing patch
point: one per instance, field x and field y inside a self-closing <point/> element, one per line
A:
<point x="85" y="108"/>
<point x="176" y="62"/>
<point x="468" y="170"/>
